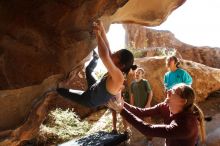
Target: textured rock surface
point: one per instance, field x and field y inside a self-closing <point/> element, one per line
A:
<point x="205" y="79"/>
<point x="149" y="13"/>
<point x="154" y="40"/>
<point x="39" y="39"/>
<point x="213" y="137"/>
<point x="42" y="41"/>
<point x="40" y="108"/>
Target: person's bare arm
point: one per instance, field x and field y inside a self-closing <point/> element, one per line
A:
<point x="103" y="35"/>
<point x="117" y="78"/>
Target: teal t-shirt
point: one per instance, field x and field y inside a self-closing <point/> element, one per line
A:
<point x="140" y="91"/>
<point x="178" y="76"/>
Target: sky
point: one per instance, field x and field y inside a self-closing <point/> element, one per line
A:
<point x="116" y="38"/>
<point x="196" y="22"/>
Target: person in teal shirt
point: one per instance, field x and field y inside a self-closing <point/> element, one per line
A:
<point x="175" y="74"/>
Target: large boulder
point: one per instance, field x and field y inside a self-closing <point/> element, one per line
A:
<point x="152" y="42"/>
<point x="213" y="136"/>
<point x="205" y="79"/>
<point x="40" y="39"/>
<point x="41" y="42"/>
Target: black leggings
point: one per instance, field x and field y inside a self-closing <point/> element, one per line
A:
<point x="81" y="97"/>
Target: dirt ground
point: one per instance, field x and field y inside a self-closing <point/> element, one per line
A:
<point x="211" y="107"/>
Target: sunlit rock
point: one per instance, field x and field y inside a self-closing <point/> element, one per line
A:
<point x="154" y="41"/>
<point x="205" y="79"/>
<point x="213" y="133"/>
<point x="41" y="42"/>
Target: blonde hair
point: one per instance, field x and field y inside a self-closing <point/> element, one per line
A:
<point x="200" y="116"/>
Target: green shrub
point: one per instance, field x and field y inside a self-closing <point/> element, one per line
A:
<point x="137" y="53"/>
<point x="165" y="51"/>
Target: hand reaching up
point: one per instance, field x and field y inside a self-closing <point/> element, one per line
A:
<point x="96" y="28"/>
<point x="100" y="23"/>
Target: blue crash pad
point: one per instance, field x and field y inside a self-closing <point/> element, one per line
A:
<point x="100" y="138"/>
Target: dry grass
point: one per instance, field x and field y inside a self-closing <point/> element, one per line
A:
<point x="62" y="125"/>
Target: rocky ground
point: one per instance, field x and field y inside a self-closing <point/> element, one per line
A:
<point x="211" y="107"/>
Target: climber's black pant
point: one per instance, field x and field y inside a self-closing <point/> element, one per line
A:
<point x="79" y="96"/>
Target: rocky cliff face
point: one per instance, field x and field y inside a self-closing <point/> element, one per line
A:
<point x="153" y="40"/>
<point x="39" y="39"/>
<point x="205" y="79"/>
<point x="42" y="41"/>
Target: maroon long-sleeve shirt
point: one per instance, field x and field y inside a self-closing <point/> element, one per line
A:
<point x="179" y="129"/>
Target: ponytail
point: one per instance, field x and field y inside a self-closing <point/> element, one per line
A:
<point x="176" y="60"/>
<point x="177" y="64"/>
<point x="134" y="67"/>
<point x="201" y="122"/>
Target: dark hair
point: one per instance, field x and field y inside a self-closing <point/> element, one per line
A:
<point x="175" y="59"/>
<point x="134" y="67"/>
<point x="126" y="60"/>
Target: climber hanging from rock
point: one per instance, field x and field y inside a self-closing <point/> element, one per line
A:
<point x="110" y="85"/>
